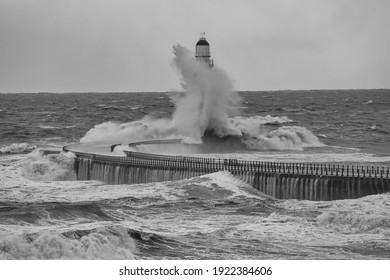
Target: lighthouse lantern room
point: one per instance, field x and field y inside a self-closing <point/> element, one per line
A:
<point x="202" y="51"/>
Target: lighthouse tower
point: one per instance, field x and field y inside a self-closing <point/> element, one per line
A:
<point x="202" y="51"/>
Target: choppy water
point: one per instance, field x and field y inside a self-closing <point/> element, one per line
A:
<point x="45" y="214"/>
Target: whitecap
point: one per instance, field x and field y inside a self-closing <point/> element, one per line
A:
<point x="17" y="148"/>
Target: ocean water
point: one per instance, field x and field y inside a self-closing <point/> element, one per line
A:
<point x="46" y="214"/>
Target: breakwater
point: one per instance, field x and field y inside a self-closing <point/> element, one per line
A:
<point x="280" y="180"/>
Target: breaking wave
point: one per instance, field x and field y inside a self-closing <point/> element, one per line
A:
<point x="17" y="148"/>
<point x="284" y="138"/>
<point x="51" y="167"/>
<point x="364" y="215"/>
<point x="355" y="223"/>
<point x="208" y="104"/>
<point x="100" y="243"/>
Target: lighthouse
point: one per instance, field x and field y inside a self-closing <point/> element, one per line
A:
<point x="202" y="51"/>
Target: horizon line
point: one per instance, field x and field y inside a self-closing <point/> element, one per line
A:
<point x="178" y="91"/>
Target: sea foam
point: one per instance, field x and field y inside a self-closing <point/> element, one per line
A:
<point x="17" y="148"/>
<point x="101" y="243"/>
<point x="51" y="167"/>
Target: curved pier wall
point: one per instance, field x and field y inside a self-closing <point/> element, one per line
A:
<point x="280" y="180"/>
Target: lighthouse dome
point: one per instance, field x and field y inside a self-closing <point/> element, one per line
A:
<point x="202" y="42"/>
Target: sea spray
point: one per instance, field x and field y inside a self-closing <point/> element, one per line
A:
<point x="209" y="98"/>
<point x="17" y="148"/>
<point x="51" y="167"/>
<point x="208" y="105"/>
<point x="147" y="128"/>
<point x="283" y="138"/>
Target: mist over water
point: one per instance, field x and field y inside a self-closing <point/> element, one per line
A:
<point x="208" y="104"/>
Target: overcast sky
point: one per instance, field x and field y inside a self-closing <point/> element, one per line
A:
<point x="126" y="45"/>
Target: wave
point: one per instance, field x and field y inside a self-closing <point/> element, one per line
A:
<point x="293" y="110"/>
<point x="147" y="128"/>
<point x="256" y="121"/>
<point x="115" y="108"/>
<point x="47" y="140"/>
<point x="208" y="104"/>
<point x="364" y="215"/>
<point x="17" y="148"/>
<point x="379" y="130"/>
<point x="216" y="186"/>
<point x="136" y="107"/>
<point x="41" y="188"/>
<point x="257" y="133"/>
<point x="355" y="222"/>
<point x="110" y="242"/>
<point x="40" y="212"/>
<point x="119" y="108"/>
<point x="49" y="167"/>
<point x="156" y="246"/>
<point x="49" y="127"/>
<point x="283" y="138"/>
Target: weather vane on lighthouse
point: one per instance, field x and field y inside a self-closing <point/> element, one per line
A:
<point x="202" y="51"/>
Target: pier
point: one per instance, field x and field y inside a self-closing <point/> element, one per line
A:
<point x="281" y="180"/>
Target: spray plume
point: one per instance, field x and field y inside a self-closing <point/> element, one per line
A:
<point x="209" y="98"/>
<point x="209" y="105"/>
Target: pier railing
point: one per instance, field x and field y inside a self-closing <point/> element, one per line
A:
<point x="213" y="164"/>
<point x="283" y="180"/>
<point x="261" y="166"/>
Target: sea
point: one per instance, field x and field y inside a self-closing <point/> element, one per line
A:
<point x="45" y="213"/>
